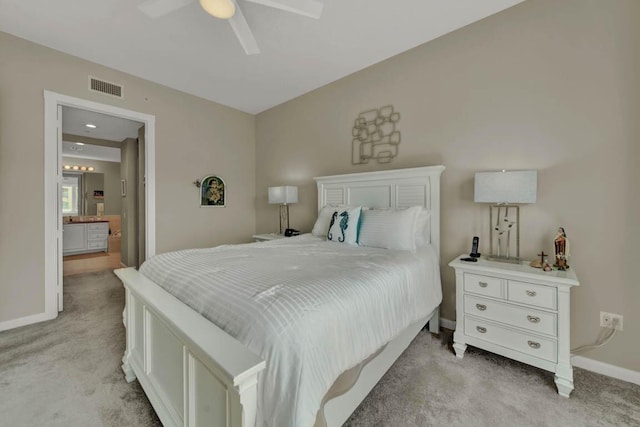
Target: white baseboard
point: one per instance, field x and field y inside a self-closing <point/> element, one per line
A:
<point x="612" y="371"/>
<point x="448" y="324"/>
<point x="592" y="365"/>
<point x="27" y="320"/>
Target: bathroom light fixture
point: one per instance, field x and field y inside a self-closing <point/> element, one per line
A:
<point x="79" y="168"/>
<point x="223" y="9"/>
<point x="79" y="143"/>
<point x="505" y="189"/>
<point x="284" y="196"/>
<point x="91" y="125"/>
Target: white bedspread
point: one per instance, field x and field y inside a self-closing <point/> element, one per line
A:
<point x="312" y="309"/>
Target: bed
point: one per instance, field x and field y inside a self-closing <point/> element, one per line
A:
<point x="195" y="373"/>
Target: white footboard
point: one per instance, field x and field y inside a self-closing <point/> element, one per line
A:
<point x="193" y="373"/>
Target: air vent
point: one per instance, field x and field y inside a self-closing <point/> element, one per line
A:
<point x="97" y="85"/>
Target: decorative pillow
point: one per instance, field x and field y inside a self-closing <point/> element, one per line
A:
<point x="390" y="228"/>
<point x="423" y="235"/>
<point x="343" y="225"/>
<point x="321" y="227"/>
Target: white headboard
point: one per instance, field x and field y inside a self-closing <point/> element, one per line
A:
<point x="398" y="188"/>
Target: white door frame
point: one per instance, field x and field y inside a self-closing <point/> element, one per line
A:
<point x="52" y="153"/>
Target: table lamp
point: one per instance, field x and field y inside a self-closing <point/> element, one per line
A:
<point x="505" y="190"/>
<point x="284" y="195"/>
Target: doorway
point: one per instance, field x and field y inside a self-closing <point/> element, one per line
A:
<point x="99" y="153"/>
<point x="54" y="103"/>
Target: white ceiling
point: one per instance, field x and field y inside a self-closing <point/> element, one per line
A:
<point x="107" y="127"/>
<point x="193" y="52"/>
<point x="89" y="151"/>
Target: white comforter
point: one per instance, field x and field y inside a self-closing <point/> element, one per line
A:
<point x="312" y="309"/>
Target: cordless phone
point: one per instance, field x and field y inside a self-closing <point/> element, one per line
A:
<point x="474" y="248"/>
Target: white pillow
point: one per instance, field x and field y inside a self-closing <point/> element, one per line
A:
<point x="423" y="235"/>
<point x="321" y="227"/>
<point x="343" y="225"/>
<point x="389" y="228"/>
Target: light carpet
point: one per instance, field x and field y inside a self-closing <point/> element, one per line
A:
<point x="66" y="372"/>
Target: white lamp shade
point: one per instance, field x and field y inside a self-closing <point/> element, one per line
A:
<point x="506" y="187"/>
<point x="283" y="195"/>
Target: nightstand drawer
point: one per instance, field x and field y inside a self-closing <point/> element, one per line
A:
<point x="483" y="285"/>
<point x="512" y="339"/>
<point x="527" y="318"/>
<point x="529" y="293"/>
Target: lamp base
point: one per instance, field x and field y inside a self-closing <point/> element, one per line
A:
<point x="504" y="232"/>
<point x="500" y="258"/>
<point x="284" y="217"/>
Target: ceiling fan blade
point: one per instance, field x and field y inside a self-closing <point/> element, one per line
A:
<point x="310" y="8"/>
<point x="244" y="33"/>
<point x="157" y="8"/>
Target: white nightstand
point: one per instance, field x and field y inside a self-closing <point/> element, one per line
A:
<point x="265" y="237"/>
<point x="516" y="311"/>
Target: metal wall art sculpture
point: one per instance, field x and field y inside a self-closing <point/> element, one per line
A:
<point x="375" y="136"/>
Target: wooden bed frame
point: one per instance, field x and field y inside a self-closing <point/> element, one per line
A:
<point x="194" y="374"/>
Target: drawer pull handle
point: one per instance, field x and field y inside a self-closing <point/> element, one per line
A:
<point x="481" y="307"/>
<point x="531" y="293"/>
<point x="483" y="284"/>
<point x="533" y="319"/>
<point x="483" y="330"/>
<point x="533" y="344"/>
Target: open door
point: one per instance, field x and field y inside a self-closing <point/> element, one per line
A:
<point x="59" y="227"/>
<point x="142" y="228"/>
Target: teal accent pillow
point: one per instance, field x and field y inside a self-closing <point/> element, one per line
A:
<point x="343" y="226"/>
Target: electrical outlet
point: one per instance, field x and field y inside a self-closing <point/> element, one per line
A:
<point x="611" y="320"/>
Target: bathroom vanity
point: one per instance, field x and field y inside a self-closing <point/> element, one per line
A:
<point x="80" y="237"/>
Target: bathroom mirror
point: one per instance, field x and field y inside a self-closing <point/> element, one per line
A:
<point x="81" y="193"/>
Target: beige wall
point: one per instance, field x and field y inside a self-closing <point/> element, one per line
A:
<point x="547" y="85"/>
<point x="194" y="138"/>
<point x="111" y="170"/>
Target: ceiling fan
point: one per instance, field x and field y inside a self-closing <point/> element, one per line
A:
<point x="228" y="9"/>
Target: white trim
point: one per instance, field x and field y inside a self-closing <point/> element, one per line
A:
<point x="607" y="369"/>
<point x="592" y="365"/>
<point x="27" y="320"/>
<point x="448" y="324"/>
<point x="51" y="102"/>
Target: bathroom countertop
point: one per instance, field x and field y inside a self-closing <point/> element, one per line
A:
<point x="85" y="221"/>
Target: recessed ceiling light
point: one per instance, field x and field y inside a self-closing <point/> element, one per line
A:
<point x="79" y="143"/>
<point x="92" y="126"/>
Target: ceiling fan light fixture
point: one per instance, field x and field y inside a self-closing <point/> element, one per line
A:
<point x="223" y="9"/>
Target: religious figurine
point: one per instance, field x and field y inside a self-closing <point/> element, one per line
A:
<point x="561" y="244"/>
<point x="543" y="263"/>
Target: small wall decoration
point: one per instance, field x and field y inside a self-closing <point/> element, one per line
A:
<point x="213" y="191"/>
<point x="375" y="136"/>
